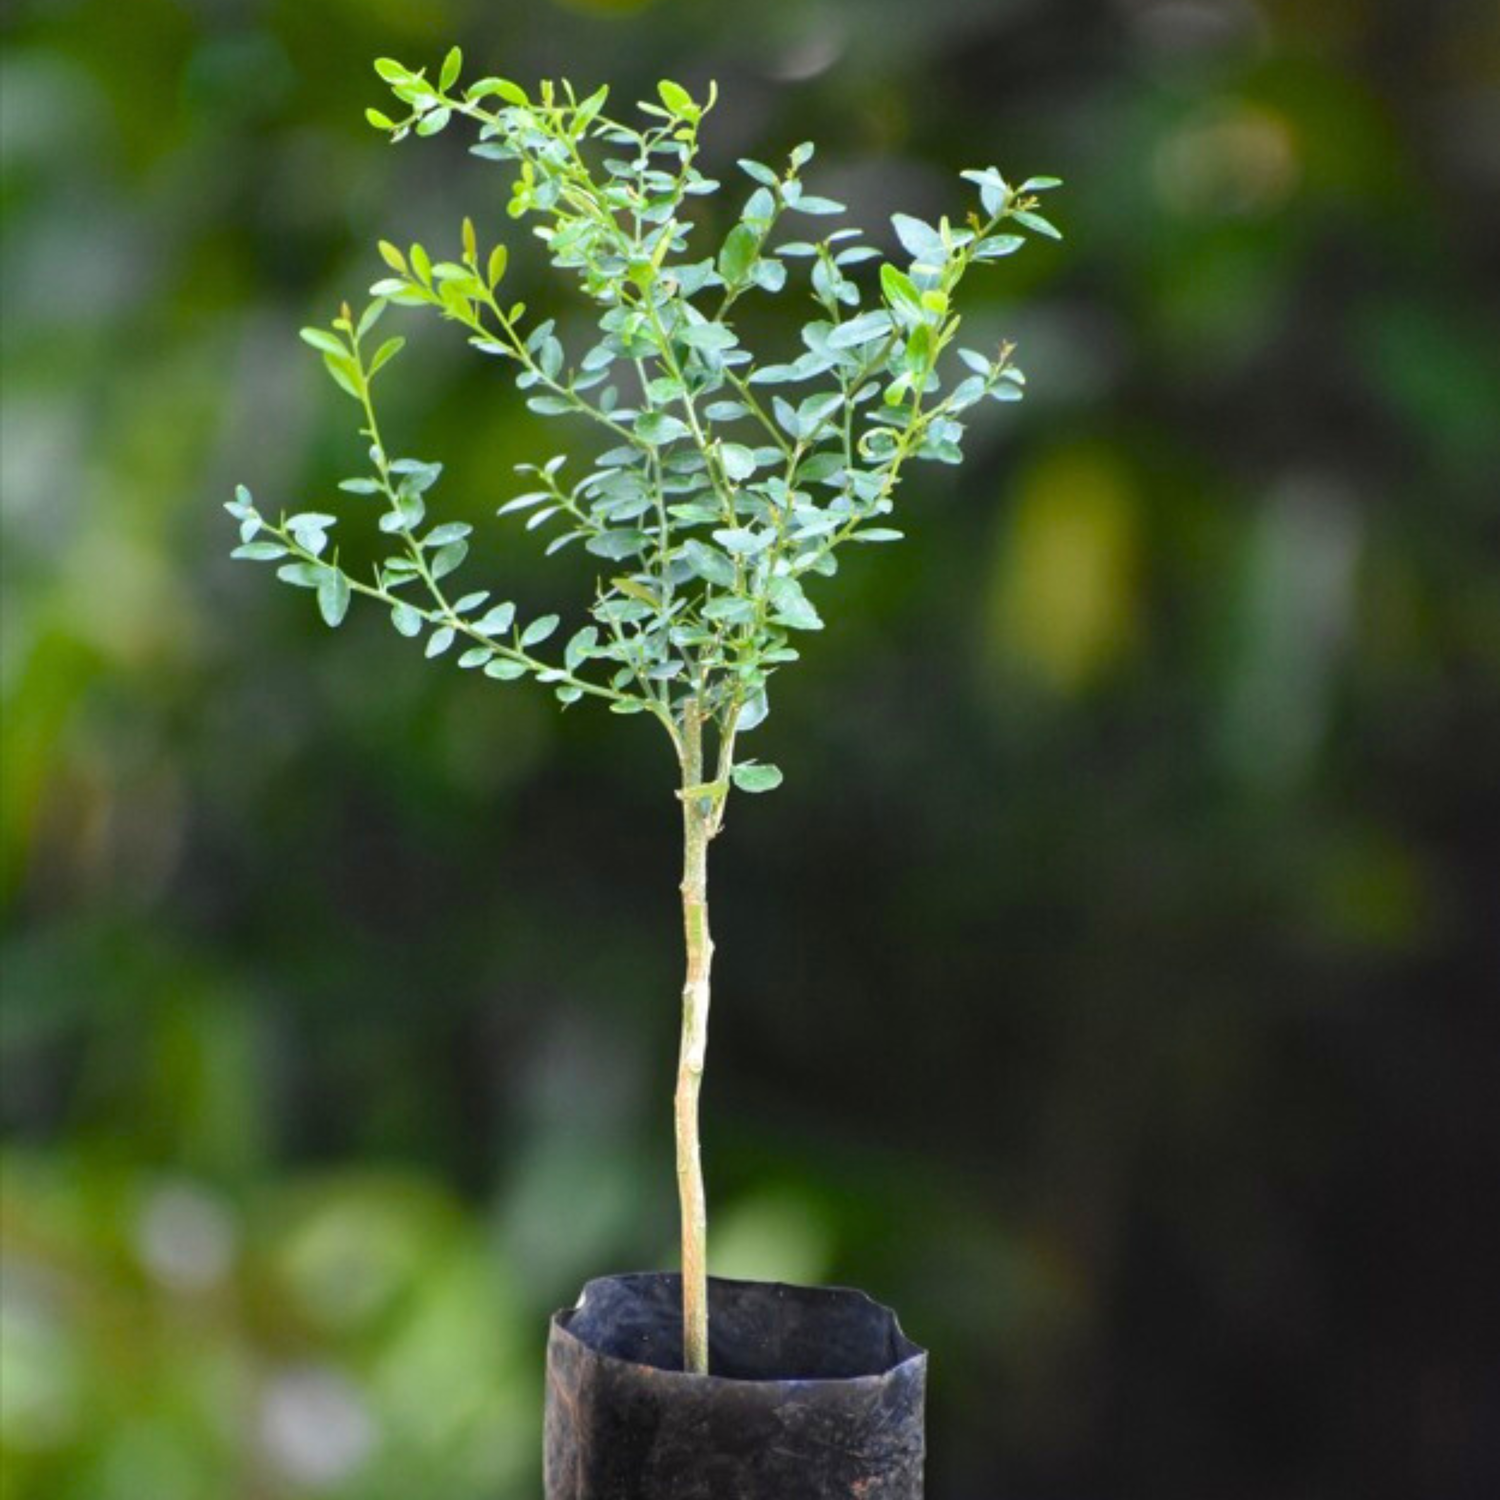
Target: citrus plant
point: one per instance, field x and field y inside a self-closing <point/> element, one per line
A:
<point x="722" y="487"/>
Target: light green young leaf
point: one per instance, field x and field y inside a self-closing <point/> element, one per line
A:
<point x="321" y="339"/>
<point x="754" y="776"/>
<point x="899" y="289"/>
<point x="386" y="353"/>
<point x="344" y="373"/>
<point x="678" y="100"/>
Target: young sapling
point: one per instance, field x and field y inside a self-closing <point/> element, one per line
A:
<point x="722" y="487"/>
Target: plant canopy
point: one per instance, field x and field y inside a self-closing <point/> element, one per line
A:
<point x="722" y="487"/>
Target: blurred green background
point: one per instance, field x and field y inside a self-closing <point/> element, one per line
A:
<point x="1116" y="997"/>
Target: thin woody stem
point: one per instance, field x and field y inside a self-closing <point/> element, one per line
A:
<point x="699" y="815"/>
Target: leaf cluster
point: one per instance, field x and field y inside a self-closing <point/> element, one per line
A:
<point x="723" y="486"/>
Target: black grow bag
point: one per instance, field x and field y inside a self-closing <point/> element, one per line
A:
<point x="812" y="1393"/>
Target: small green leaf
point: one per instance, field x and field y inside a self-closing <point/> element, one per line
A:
<point x="710" y="565"/>
<point x="738" y="460"/>
<point x="333" y="596"/>
<point x="302" y="575"/>
<point x="756" y="711"/>
<point x="538" y="631"/>
<point x="762" y="174"/>
<point x="439" y="641"/>
<point x="865" y="329"/>
<point x="899" y="288"/>
<point x="708" y="336"/>
<point x="523" y="502"/>
<point x="792" y="606"/>
<point x="344" y="373"/>
<point x="740" y="248"/>
<point x="407" y="620"/>
<point x="308" y="530"/>
<point x="815" y="411"/>
<point x="452" y="531"/>
<point x="656" y="428"/>
<point x="503" y="669"/>
<point x="512" y="93"/>
<point x="633" y="590"/>
<point x="920" y="240"/>
<point x="678" y="100"/>
<point x="324" y="341"/>
<point x="579" y="647"/>
<point x="385" y="353"/>
<point x="615" y="545"/>
<point x="379" y="121"/>
<point x="729" y="609"/>
<point x="497" y="621"/>
<point x="452" y="66"/>
<point x="259" y="551"/>
<point x="808" y="203"/>
<point x="370" y="317"/>
<point x="759" y="209"/>
<point x="753" y="776"/>
<point x="740" y="540"/>
<point x="993" y="192"/>
<point x="998" y="245"/>
<point x="1038" y="223"/>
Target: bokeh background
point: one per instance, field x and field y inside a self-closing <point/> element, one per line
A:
<point x="1113" y="984"/>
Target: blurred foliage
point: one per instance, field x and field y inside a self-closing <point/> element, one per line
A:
<point x="1132" y="1023"/>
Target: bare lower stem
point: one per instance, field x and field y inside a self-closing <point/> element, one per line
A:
<point x="698" y="820"/>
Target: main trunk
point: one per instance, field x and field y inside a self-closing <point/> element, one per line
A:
<point x="697" y="813"/>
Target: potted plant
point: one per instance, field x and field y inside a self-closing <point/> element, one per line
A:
<point x="718" y="493"/>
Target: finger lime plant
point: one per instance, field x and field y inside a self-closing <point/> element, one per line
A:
<point x="719" y="491"/>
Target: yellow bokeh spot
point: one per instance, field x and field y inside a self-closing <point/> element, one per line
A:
<point x="1064" y="602"/>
